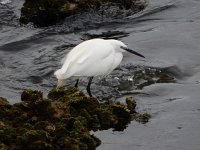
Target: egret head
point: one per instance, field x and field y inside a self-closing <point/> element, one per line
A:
<point x="117" y="45"/>
<point x="121" y="47"/>
<point x="59" y="75"/>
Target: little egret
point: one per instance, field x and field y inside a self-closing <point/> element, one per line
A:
<point x="92" y="58"/>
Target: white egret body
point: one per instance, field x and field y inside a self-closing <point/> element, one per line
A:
<point x="92" y="58"/>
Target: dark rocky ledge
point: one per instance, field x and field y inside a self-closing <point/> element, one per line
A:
<point x="49" y="12"/>
<point x="63" y="121"/>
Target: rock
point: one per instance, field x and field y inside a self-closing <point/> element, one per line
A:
<point x="3" y="101"/>
<point x="49" y="12"/>
<point x="29" y="95"/>
<point x="142" y="118"/>
<point x="3" y="146"/>
<point x="131" y="104"/>
<point x="4" y="107"/>
<point x="40" y="145"/>
<point x="63" y="121"/>
<point x="35" y="135"/>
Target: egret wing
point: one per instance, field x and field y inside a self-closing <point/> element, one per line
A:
<point x="92" y="62"/>
<point x="85" y="57"/>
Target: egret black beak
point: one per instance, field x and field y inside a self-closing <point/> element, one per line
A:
<point x="132" y="51"/>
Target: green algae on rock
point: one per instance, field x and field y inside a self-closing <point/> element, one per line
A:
<point x="49" y="12"/>
<point x="63" y="121"/>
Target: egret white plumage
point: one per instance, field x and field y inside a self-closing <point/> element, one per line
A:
<point x="95" y="57"/>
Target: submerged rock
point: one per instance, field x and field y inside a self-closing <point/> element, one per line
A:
<point x="62" y="121"/>
<point x="49" y="12"/>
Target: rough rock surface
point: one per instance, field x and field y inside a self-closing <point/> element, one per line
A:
<point x="63" y="121"/>
<point x="49" y="12"/>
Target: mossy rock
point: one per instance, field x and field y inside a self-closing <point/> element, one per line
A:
<point x="63" y="121"/>
<point x="4" y="107"/>
<point x="142" y="118"/>
<point x="29" y="95"/>
<point x="3" y="146"/>
<point x="3" y="101"/>
<point x="49" y="12"/>
<point x="35" y="135"/>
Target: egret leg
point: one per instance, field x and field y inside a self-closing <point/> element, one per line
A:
<point x="76" y="85"/>
<point x="88" y="86"/>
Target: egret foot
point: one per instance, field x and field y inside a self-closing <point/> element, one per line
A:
<point x="88" y="86"/>
<point x="76" y="85"/>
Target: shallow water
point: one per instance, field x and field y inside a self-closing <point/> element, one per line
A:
<point x="166" y="32"/>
